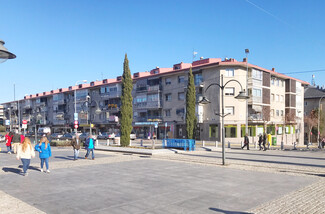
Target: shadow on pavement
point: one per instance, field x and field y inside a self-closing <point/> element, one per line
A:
<point x="227" y="212"/>
<point x="65" y="158"/>
<point x="13" y="170"/>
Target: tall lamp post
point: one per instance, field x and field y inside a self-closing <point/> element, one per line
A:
<point x="75" y="101"/>
<point x="242" y="95"/>
<point x="246" y="125"/>
<point x="4" y="53"/>
<point x="319" y="146"/>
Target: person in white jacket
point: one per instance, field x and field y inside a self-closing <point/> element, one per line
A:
<point x="25" y="152"/>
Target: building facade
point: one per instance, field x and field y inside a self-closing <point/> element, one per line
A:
<point x="275" y="105"/>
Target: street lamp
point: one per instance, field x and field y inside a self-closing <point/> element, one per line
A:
<point x="246" y="128"/>
<point x="242" y="95"/>
<point x="75" y="101"/>
<point x="319" y="146"/>
<point x="9" y="118"/>
<point x="4" y="53"/>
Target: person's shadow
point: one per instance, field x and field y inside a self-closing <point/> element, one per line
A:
<point x="227" y="211"/>
<point x="18" y="170"/>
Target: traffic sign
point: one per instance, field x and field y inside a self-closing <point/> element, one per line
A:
<point x="7" y="122"/>
<point x="75" y="116"/>
<point x="76" y="122"/>
<point x="76" y="126"/>
<point x="24" y="121"/>
<point x="24" y="126"/>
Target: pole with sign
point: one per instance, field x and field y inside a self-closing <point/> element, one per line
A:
<point x="24" y="125"/>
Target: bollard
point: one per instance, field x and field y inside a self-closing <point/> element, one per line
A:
<point x="141" y="143"/>
<point x="255" y="144"/>
<point x="130" y="143"/>
<point x="281" y="145"/>
<point x="153" y="144"/>
<point x="96" y="142"/>
<point x="107" y="142"/>
<point x="294" y="146"/>
<point x="228" y="144"/>
<point x="241" y="144"/>
<point x="216" y="144"/>
<point x="203" y="143"/>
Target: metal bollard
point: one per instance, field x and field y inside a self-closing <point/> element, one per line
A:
<point x="281" y="145"/>
<point x="294" y="146"/>
<point x="107" y="142"/>
<point x="216" y="144"/>
<point x="130" y="144"/>
<point x="203" y="143"/>
<point x="141" y="143"/>
<point x="228" y="144"/>
<point x="255" y="144"/>
<point x="96" y="142"/>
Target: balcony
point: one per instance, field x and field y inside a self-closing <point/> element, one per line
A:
<point x="255" y="117"/>
<point x="111" y="94"/>
<point x="148" y="105"/>
<point x="149" y="119"/>
<point x="153" y="88"/>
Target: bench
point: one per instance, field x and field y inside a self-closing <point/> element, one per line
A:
<point x="179" y="143"/>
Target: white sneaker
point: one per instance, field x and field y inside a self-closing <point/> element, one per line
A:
<point x="9" y="152"/>
<point x="48" y="171"/>
<point x="42" y="170"/>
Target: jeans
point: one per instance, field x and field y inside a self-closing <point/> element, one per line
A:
<point x="76" y="153"/>
<point x="92" y="151"/>
<point x="46" y="163"/>
<point x="26" y="163"/>
<point x="8" y="148"/>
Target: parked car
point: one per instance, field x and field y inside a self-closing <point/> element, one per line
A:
<point x="56" y="135"/>
<point x="67" y="136"/>
<point x="83" y="136"/>
<point x="132" y="135"/>
<point x="104" y="136"/>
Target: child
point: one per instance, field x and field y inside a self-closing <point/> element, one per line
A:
<point x="44" y="150"/>
<point x="8" y="142"/>
<point x="25" y="152"/>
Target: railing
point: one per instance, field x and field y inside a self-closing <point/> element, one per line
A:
<point x="154" y="88"/>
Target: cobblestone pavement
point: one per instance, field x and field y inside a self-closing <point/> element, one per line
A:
<point x="300" y="198"/>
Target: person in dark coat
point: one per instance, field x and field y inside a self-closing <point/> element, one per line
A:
<point x="264" y="141"/>
<point x="76" y="146"/>
<point x="246" y="142"/>
<point x="260" y="141"/>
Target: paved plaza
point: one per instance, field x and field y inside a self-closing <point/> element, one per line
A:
<point x="187" y="182"/>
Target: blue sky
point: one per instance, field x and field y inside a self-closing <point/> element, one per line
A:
<point x="60" y="42"/>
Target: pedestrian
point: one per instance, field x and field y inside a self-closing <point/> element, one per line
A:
<point x="8" y="142"/>
<point x="323" y="142"/>
<point x="90" y="146"/>
<point x="76" y="146"/>
<point x="16" y="140"/>
<point x="25" y="152"/>
<point x="260" y="141"/>
<point x="264" y="141"/>
<point x="44" y="149"/>
<point x="246" y="142"/>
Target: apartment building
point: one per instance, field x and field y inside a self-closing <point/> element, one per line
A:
<point x="275" y="105"/>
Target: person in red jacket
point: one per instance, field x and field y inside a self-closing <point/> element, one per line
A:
<point x="8" y="142"/>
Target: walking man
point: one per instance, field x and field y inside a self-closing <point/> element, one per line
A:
<point x="260" y="141"/>
<point x="264" y="141"/>
<point x="90" y="146"/>
<point x="76" y="146"/>
<point x="246" y="142"/>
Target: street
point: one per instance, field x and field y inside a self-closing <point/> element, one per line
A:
<point x="187" y="182"/>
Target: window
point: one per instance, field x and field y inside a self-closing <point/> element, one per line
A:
<point x="281" y="112"/>
<point x="256" y="74"/>
<point x="103" y="90"/>
<point x="277" y="82"/>
<point x="213" y="131"/>
<point x="281" y="98"/>
<point x="168" y="81"/>
<point x="230" y="91"/>
<point x="277" y="113"/>
<point x="277" y="98"/>
<point x="229" y="110"/>
<point x="141" y="99"/>
<point x="167" y="113"/>
<point x="282" y="83"/>
<point x="168" y="97"/>
<point x="198" y="79"/>
<point x="257" y="92"/>
<point x="230" y="72"/>
<point x="272" y="97"/>
<point x="181" y="79"/>
<point x="181" y="96"/>
<point x="272" y="112"/>
<point x="272" y="81"/>
<point x="153" y="97"/>
<point x="180" y="112"/>
<point x="230" y="131"/>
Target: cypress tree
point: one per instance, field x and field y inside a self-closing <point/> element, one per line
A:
<point x="126" y="101"/>
<point x="190" y="106"/>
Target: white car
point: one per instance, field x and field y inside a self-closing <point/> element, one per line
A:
<point x="2" y="138"/>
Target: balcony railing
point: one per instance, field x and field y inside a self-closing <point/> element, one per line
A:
<point x="112" y="94"/>
<point x="148" y="105"/>
<point x="148" y="119"/>
<point x="255" y="117"/>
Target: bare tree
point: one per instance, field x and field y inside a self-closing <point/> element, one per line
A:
<point x="311" y="121"/>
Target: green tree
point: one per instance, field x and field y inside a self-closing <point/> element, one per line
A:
<point x="126" y="101"/>
<point x="190" y="106"/>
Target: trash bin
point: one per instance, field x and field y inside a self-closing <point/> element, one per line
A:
<point x="117" y="140"/>
<point x="273" y="141"/>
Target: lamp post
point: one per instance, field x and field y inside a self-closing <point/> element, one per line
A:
<point x="75" y="101"/>
<point x="241" y="95"/>
<point x="319" y="146"/>
<point x="9" y="118"/>
<point x="246" y="124"/>
<point x="4" y="53"/>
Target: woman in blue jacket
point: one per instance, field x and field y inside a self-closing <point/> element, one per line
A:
<point x="44" y="150"/>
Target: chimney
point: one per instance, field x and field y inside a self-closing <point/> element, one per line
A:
<point x="245" y="59"/>
<point x="273" y="69"/>
<point x="201" y="57"/>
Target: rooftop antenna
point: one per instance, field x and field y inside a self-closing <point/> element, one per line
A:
<point x="313" y="80"/>
<point x="194" y="54"/>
